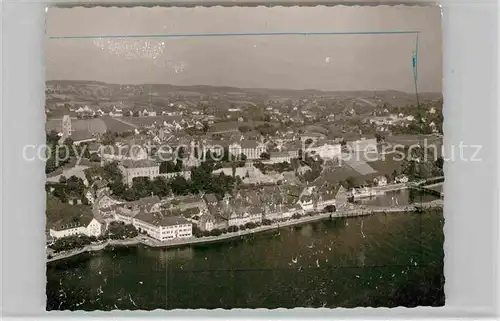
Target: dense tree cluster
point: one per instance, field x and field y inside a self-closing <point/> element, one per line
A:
<point x="57" y="210"/>
<point x="231" y="229"/>
<point x="120" y="231"/>
<point x="68" y="188"/>
<point x="202" y="179"/>
<point x="265" y="156"/>
<point x="266" y="129"/>
<point x="109" y="138"/>
<point x="143" y="187"/>
<point x="278" y="167"/>
<point x="170" y="167"/>
<point x="421" y="164"/>
<point x="72" y="242"/>
<point x="316" y="168"/>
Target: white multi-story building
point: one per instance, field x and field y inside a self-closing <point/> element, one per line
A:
<point x="280" y="157"/>
<point x="163" y="227"/>
<point x="250" y="148"/>
<point x="83" y="226"/>
<point x="143" y="168"/>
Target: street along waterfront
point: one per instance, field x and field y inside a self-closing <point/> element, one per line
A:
<point x="399" y="200"/>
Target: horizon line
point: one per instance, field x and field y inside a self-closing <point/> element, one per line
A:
<point x="293" y="33"/>
<point x="242" y="88"/>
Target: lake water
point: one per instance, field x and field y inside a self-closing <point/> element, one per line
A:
<point x="378" y="260"/>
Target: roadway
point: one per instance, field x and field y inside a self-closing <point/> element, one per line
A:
<point x="125" y="122"/>
<point x="353" y="211"/>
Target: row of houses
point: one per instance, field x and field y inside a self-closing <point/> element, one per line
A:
<point x="311" y="145"/>
<point x="115" y="111"/>
<point x="252" y="146"/>
<point x="251" y="149"/>
<point x="267" y="203"/>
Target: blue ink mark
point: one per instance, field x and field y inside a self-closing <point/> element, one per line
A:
<point x="414" y="62"/>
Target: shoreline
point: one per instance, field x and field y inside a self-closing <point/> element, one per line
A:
<point x="228" y="236"/>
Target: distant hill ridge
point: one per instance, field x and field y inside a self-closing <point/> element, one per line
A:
<point x="267" y="91"/>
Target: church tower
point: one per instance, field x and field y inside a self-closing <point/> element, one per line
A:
<point x="66" y="126"/>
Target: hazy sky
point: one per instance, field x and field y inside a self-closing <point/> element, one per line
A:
<point x="327" y="62"/>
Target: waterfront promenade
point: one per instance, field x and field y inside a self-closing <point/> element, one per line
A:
<point x="92" y="248"/>
<point x="353" y="211"/>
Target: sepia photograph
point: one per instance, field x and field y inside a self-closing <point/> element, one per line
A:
<point x="244" y="157"/>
